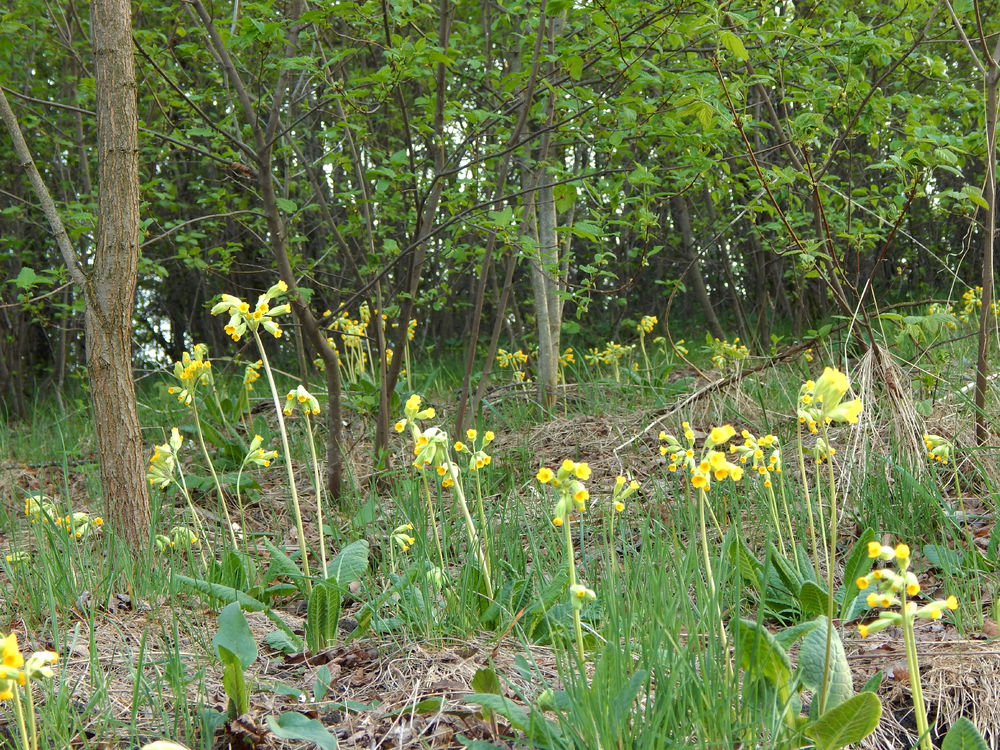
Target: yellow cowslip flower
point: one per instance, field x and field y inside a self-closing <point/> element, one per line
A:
<point x="557" y="521"/>
<point x="874" y="549"/>
<point x="459" y="446"/>
<point x="902" y="551"/>
<point x="241" y="318"/>
<point x="400" y="425"/>
<point x="304" y="398"/>
<point x="10" y="655"/>
<point x="544" y="475"/>
<point x="582" y="471"/>
<point x="257" y="455"/>
<point x="719" y="435"/>
<point x="581" y="593"/>
<point x="951" y="602"/>
<point x="862" y="583"/>
<point x="471" y="434"/>
<point x="863" y="631"/>
<point x="619" y="506"/>
<point x="39" y="664"/>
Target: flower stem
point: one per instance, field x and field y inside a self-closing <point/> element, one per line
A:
<point x="913" y="667"/>
<point x="319" y="495"/>
<point x="215" y="477"/>
<point x="19" y="718"/>
<point x="288" y="462"/>
<point x="433" y="519"/>
<point x="808" y="503"/>
<point x="470" y="528"/>
<point x="830" y="566"/>
<point x="571" y="567"/>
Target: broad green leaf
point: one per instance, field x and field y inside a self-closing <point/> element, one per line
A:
<point x="286" y="205"/>
<point x="295" y="726"/>
<point x="963" y="735"/>
<point x="858" y="564"/>
<point x="279" y="641"/>
<point x="322" y="616"/>
<point x="486" y="681"/>
<point x="26" y="278"/>
<point x="226" y="594"/>
<point x="812" y="599"/>
<point x="233" y="682"/>
<point x="947" y="560"/>
<point x="575" y="67"/>
<point x="760" y="654"/>
<point x="733" y="43"/>
<point x="787" y="637"/>
<point x="350" y="563"/>
<point x="235" y="636"/>
<point x="499" y="704"/>
<point x="282" y="564"/>
<point x="812" y="657"/>
<point x="846" y="724"/>
<point x="426" y="706"/>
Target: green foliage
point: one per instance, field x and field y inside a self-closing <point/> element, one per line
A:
<point x="322" y="615"/>
<point x="963" y="735"/>
<point x="771" y="684"/>
<point x="237" y="650"/>
<point x="295" y="726"/>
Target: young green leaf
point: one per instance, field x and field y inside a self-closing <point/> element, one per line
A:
<point x="295" y="726"/>
<point x="963" y="735"/>
<point x="850" y="722"/>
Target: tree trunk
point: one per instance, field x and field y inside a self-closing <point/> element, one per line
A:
<point x="682" y="220"/>
<point x="111" y="286"/>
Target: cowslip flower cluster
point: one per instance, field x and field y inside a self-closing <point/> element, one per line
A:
<point x="611" y="354"/>
<point x="712" y="465"/>
<point x="179" y="537"/>
<point x="257" y="455"/>
<point x="511" y="359"/>
<point x="431" y="445"/>
<point x="77" y="525"/>
<point x="252" y="374"/>
<point x="621" y="492"/>
<point x="242" y="318"/>
<point x="304" y="398"/>
<point x="822" y="401"/>
<point x="646" y="325"/>
<point x="579" y="595"/>
<point x="568" y="483"/>
<point x="567" y="357"/>
<point x="938" y="448"/>
<point x="164" y="460"/>
<point x="892" y="586"/>
<point x="401" y="536"/>
<point x="762" y="454"/>
<point x="724" y="352"/>
<point x="15" y="670"/>
<point x="478" y="457"/>
<point x="191" y="371"/>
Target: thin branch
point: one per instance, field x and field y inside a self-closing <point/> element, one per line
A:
<point x="183" y="224"/>
<point x="48" y="205"/>
<point x="965" y="40"/>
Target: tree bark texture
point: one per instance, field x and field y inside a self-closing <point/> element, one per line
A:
<point x="111" y="284"/>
